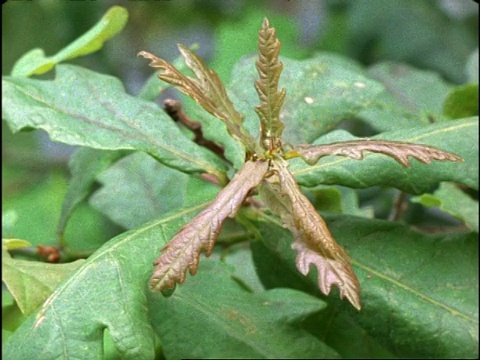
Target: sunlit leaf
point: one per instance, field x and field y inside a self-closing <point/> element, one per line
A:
<point x="101" y="115"/>
<point x="35" y="62"/>
<point x="13" y="244"/>
<point x="183" y="251"/>
<point x="462" y="102"/>
<point x="32" y="282"/>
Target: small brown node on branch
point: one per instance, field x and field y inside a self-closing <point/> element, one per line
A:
<point x="50" y="253"/>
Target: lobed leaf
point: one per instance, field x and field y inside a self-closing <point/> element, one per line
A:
<point x="242" y="29"/>
<point x="271" y="100"/>
<point x="183" y="251"/>
<point x="101" y="115"/>
<point x="207" y="90"/>
<point x="153" y="87"/>
<point x="258" y="325"/>
<point x="459" y="137"/>
<point x="400" y="151"/>
<point x="32" y="282"/>
<point x="313" y="241"/>
<point x="419" y="291"/>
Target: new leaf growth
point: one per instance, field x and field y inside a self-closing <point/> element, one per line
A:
<point x="266" y="167"/>
<point x="271" y="100"/>
<point x="183" y="251"/>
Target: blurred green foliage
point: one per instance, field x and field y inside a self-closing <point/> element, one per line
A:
<point x="438" y="35"/>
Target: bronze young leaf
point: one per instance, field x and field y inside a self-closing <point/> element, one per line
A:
<point x="207" y="90"/>
<point x="313" y="242"/>
<point x="266" y="167"/>
<point x="183" y="251"/>
<point x="271" y="101"/>
<point x="400" y="151"/>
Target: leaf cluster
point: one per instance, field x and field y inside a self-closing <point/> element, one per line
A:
<point x="263" y="293"/>
<point x="313" y="242"/>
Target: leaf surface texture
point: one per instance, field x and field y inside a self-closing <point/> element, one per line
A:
<point x="313" y="243"/>
<point x="183" y="251"/>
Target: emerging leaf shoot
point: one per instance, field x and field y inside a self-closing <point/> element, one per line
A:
<point x="271" y="100"/>
<point x="183" y="251"/>
<point x="267" y="168"/>
<point x="207" y="90"/>
<point x="313" y="242"/>
<point x="400" y="151"/>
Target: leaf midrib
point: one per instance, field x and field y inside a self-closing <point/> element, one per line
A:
<point x="195" y="303"/>
<point x="110" y="249"/>
<point x="417" y="293"/>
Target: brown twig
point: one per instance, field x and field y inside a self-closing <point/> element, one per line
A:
<point x="174" y="109"/>
<point x="399" y="207"/>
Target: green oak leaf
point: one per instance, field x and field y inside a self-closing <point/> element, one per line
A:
<point x="101" y="116"/>
<point x="32" y="282"/>
<point x="403" y="273"/>
<point x="238" y="324"/>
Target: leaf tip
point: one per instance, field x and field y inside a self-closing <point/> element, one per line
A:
<point x="167" y="292"/>
<point x="145" y="54"/>
<point x="159" y="282"/>
<point x="265" y="23"/>
<point x="353" y="298"/>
